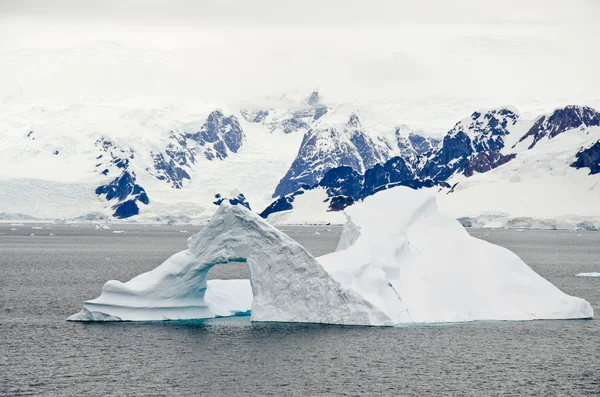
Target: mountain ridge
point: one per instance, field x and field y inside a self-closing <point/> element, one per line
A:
<point x="155" y="167"/>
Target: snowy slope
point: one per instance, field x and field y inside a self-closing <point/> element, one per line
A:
<point x="57" y="157"/>
<point x="539" y="188"/>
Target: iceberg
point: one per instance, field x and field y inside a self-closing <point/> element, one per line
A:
<point x="399" y="261"/>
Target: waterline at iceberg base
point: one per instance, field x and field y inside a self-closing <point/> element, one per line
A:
<point x="399" y="261"/>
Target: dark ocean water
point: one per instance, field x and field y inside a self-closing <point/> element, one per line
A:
<point x="44" y="278"/>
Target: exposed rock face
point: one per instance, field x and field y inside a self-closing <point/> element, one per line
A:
<point x="283" y="203"/>
<point x="219" y="135"/>
<point x="562" y="120"/>
<point x="343" y="181"/>
<point x="413" y="146"/>
<point x="122" y="191"/>
<point x="240" y="199"/>
<point x="473" y="145"/>
<point x="170" y="165"/>
<point x="330" y="145"/>
<point x="590" y="158"/>
<point x="485" y="161"/>
<point x="351" y="164"/>
<point x="345" y="186"/>
<point x="127" y="194"/>
<point x="393" y="171"/>
<point x="339" y="203"/>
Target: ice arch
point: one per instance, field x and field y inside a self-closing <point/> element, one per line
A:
<point x="287" y="283"/>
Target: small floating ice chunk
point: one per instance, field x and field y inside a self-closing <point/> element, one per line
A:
<point x="593" y="274"/>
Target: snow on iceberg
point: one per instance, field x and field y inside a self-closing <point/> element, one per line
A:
<point x="399" y="261"/>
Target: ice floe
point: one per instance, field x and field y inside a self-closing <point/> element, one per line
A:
<point x="593" y="274"/>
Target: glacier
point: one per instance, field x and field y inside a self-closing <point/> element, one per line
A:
<point x="407" y="264"/>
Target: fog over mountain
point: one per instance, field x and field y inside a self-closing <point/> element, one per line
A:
<point x="468" y="54"/>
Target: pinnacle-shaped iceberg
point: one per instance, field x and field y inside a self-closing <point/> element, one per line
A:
<point x="399" y="261"/>
<point x="420" y="265"/>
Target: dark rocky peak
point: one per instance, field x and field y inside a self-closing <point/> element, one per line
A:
<point x="240" y="199"/>
<point x="125" y="193"/>
<point x="562" y="120"/>
<point x="353" y="121"/>
<point x="172" y="164"/>
<point x="588" y="157"/>
<point x="472" y="145"/>
<point x="218" y="135"/>
<point x="339" y="140"/>
<point x="314" y="99"/>
<point x="481" y="126"/>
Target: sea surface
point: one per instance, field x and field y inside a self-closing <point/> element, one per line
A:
<point x="47" y="270"/>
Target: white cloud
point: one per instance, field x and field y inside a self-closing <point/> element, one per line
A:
<point x="523" y="53"/>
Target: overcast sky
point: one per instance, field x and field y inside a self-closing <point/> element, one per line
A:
<point x="504" y="52"/>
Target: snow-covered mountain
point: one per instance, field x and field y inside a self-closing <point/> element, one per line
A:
<point x="349" y="136"/>
<point x="493" y="168"/>
<point x="98" y="161"/>
<point x="294" y="161"/>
